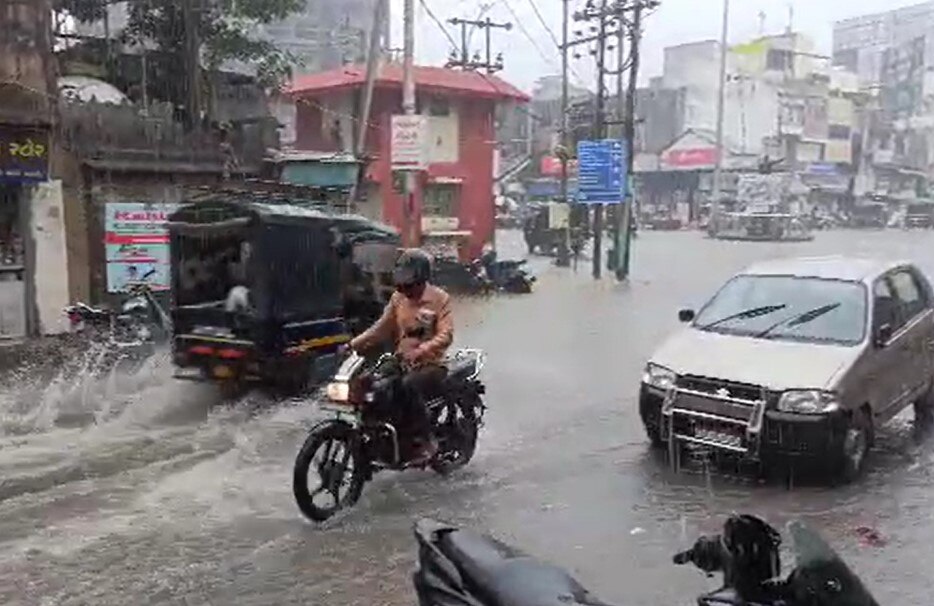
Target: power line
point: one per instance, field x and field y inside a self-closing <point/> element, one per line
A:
<point x="541" y="20"/>
<point x="528" y="36"/>
<point x="440" y="25"/>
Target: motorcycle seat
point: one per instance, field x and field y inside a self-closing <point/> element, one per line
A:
<point x="503" y="576"/>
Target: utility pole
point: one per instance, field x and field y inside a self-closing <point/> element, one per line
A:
<point x="564" y="250"/>
<point x="598" y="133"/>
<point x="629" y="135"/>
<point x="408" y="107"/>
<point x="366" y="101"/>
<point x="619" y="230"/>
<point x="721" y="99"/>
<point x="465" y="62"/>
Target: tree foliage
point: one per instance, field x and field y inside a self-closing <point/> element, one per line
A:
<point x="226" y="30"/>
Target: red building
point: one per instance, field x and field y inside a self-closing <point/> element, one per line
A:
<point x="454" y="202"/>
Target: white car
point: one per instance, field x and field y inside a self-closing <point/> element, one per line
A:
<point x="796" y="358"/>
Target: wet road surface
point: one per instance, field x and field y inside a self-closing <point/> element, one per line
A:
<point x="141" y="490"/>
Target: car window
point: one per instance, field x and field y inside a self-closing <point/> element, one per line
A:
<point x="908" y="293"/>
<point x="885" y="305"/>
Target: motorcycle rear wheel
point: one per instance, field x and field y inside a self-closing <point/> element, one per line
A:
<point x="340" y="467"/>
<point x="457" y="439"/>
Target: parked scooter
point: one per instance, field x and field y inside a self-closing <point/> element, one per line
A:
<point x="508" y="276"/>
<point x="463" y="568"/>
<point x="456" y="276"/>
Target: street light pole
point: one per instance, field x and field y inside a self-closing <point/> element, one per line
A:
<point x="721" y="98"/>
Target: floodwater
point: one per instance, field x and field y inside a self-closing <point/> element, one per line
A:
<point x="142" y="490"/>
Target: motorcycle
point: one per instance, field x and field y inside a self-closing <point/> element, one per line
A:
<point x="463" y="568"/>
<point x="132" y="332"/>
<point x="366" y="433"/>
<point x="508" y="276"/>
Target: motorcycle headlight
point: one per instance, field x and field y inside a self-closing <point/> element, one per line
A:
<point x="338" y="392"/>
<point x="659" y="376"/>
<point x="143" y="333"/>
<point x="808" y="402"/>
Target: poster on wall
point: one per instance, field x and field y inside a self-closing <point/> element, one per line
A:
<point x="136" y="243"/>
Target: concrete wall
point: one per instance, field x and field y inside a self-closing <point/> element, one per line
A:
<point x="49" y="276"/>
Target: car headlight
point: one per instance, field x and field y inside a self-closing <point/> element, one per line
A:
<point x="659" y="376"/>
<point x="808" y="402"/>
<point x="338" y="392"/>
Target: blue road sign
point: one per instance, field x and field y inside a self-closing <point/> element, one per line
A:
<point x="601" y="172"/>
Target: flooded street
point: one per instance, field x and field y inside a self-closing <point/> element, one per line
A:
<point x="144" y="490"/>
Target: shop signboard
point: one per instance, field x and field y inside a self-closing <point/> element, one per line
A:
<point x="551" y="166"/>
<point x="24" y="154"/>
<point x="136" y="240"/>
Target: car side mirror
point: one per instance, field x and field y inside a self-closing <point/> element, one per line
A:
<point x="883" y="336"/>
<point x="686" y="315"/>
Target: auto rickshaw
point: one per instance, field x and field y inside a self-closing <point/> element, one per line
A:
<point x="265" y="293"/>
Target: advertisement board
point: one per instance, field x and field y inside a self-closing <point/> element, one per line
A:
<point x="408" y="143"/>
<point x="136" y="243"/>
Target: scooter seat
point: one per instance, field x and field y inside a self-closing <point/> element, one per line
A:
<point x="503" y="576"/>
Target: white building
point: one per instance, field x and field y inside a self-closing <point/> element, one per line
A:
<point x="860" y="43"/>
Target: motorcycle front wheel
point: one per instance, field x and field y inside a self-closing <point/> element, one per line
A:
<point x="329" y="465"/>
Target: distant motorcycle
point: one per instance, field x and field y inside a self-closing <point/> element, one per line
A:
<point x="456" y="276"/>
<point x="462" y="568"/>
<point x="508" y="276"/>
<point x="368" y="432"/>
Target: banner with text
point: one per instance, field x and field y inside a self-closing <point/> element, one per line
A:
<point x="137" y="244"/>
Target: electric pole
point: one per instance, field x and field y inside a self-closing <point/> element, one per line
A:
<point x="408" y="107"/>
<point x="629" y="135"/>
<point x="599" y="126"/>
<point x="721" y="100"/>
<point x="564" y="249"/>
<point x="464" y="61"/>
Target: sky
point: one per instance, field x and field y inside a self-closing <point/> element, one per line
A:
<point x="674" y="22"/>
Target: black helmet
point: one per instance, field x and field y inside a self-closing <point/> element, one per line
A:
<point x="412" y="267"/>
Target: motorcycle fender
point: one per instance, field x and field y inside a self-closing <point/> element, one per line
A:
<point x="348" y="424"/>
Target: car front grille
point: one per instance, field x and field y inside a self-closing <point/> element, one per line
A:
<point x="715" y="412"/>
<point x="720" y="388"/>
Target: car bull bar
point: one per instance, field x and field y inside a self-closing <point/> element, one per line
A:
<point x="716" y="419"/>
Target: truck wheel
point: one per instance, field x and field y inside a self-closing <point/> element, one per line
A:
<point x="854" y="448"/>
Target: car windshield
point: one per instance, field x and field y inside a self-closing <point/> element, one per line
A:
<point x="788" y="308"/>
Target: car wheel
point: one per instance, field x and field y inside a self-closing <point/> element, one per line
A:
<point x="854" y="448"/>
<point x="653" y="432"/>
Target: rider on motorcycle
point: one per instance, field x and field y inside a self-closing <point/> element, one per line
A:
<point x="418" y="319"/>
